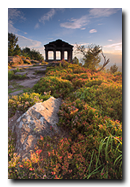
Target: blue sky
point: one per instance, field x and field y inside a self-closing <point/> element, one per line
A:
<point x="36" y="27"/>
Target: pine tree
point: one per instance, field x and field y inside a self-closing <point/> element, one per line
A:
<point x="12" y="40"/>
<point x="91" y="57"/>
<point x="113" y="68"/>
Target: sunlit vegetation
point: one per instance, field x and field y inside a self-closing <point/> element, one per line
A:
<point x="11" y="75"/>
<point x="91" y="114"/>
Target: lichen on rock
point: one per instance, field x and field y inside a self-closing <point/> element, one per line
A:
<point x="37" y="120"/>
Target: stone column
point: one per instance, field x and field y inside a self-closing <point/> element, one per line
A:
<point x="46" y="55"/>
<point x="69" y="55"/>
<point x="54" y="55"/>
<point x="62" y="54"/>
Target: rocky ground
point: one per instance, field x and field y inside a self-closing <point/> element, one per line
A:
<point x="33" y="74"/>
<point x="15" y="87"/>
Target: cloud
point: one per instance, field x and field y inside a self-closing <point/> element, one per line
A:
<point x="50" y="14"/>
<point x="113" y="48"/>
<point x="23" y="42"/>
<point x="84" y="20"/>
<point x="47" y="16"/>
<point x="32" y="44"/>
<point x="83" y="28"/>
<point x="85" y="44"/>
<point x="13" y="16"/>
<point x="117" y="46"/>
<point x="76" y="23"/>
<point x="102" y="12"/>
<point x="92" y="31"/>
<point x="11" y="28"/>
<point x="37" y="26"/>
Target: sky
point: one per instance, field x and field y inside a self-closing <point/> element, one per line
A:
<point x="36" y="27"/>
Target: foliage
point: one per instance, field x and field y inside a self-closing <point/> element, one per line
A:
<point x="58" y="87"/>
<point x="97" y="97"/>
<point x="12" y="40"/>
<point x="17" y="50"/>
<point x="36" y="55"/>
<point x="91" y="57"/>
<point x="24" y="101"/>
<point x="9" y="67"/>
<point x="14" y="49"/>
<point x="90" y="114"/>
<point x="32" y="54"/>
<point x="27" y="61"/>
<point x="44" y="63"/>
<point x="11" y="75"/>
<point x="113" y="68"/>
<point x="75" y="60"/>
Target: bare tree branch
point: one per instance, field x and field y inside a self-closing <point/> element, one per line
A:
<point x="104" y="64"/>
<point x="80" y="49"/>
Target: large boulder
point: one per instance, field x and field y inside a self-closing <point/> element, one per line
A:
<point x="12" y="60"/>
<point x="38" y="120"/>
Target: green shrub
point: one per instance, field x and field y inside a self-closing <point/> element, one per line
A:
<point x="90" y="114"/>
<point x="9" y="67"/>
<point x="11" y="75"/>
<point x="107" y="98"/>
<point x="44" y="63"/>
<point x="24" y="101"/>
<point x="57" y="86"/>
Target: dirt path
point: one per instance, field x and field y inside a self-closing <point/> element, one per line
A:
<point x="33" y="73"/>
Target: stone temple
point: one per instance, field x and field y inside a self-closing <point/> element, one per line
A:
<point x="61" y="47"/>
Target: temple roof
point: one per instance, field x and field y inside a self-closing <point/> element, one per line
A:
<point x="58" y="43"/>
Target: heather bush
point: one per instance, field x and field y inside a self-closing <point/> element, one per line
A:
<point x="57" y="86"/>
<point x="91" y="115"/>
<point x="73" y="160"/>
<point x="11" y="75"/>
<point x="107" y="98"/>
<point x="44" y="63"/>
<point x="24" y="101"/>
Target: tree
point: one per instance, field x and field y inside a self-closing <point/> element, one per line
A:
<point x="75" y="60"/>
<point x="36" y="55"/>
<point x="26" y="50"/>
<point x="17" y="50"/>
<point x="113" y="68"/>
<point x="104" y="64"/>
<point x="91" y="57"/>
<point x="12" y="40"/>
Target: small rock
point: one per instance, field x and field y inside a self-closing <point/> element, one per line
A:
<point x="17" y="92"/>
<point x="10" y="86"/>
<point x="21" y="73"/>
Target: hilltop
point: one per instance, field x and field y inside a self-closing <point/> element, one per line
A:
<point x="91" y="113"/>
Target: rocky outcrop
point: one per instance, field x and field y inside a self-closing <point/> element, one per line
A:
<point x="14" y="60"/>
<point x="38" y="120"/>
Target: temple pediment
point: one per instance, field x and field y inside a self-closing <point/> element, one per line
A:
<point x="58" y="44"/>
